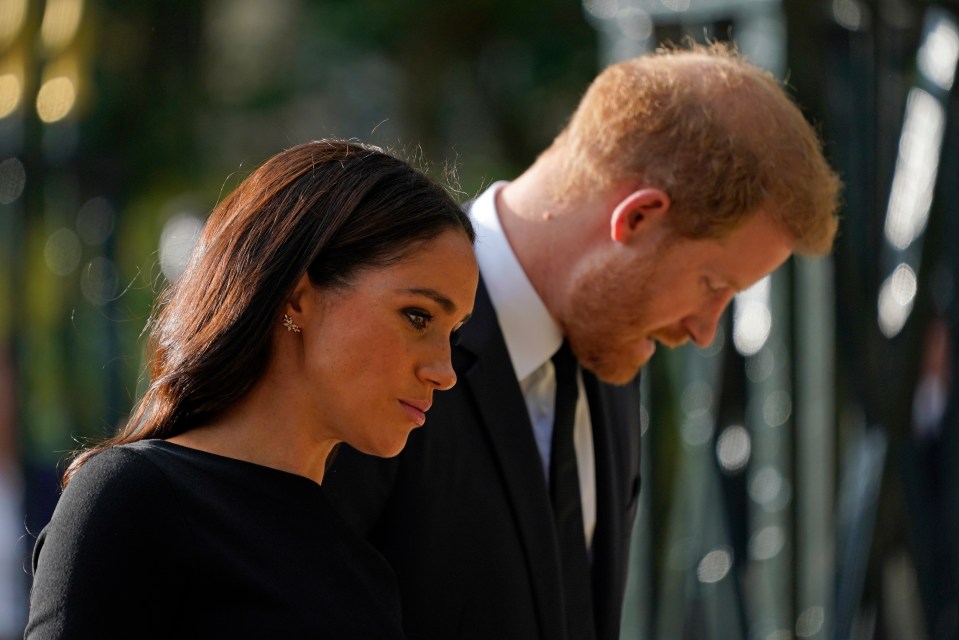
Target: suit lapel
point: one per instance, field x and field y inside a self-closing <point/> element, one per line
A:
<point x="488" y="374"/>
<point x="614" y="416"/>
<point x="603" y="536"/>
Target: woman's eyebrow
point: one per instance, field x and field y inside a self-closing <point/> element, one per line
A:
<point x="448" y="305"/>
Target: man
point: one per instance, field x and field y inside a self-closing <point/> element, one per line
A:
<point x="682" y="178"/>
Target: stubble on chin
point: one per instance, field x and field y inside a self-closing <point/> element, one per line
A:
<point x="600" y="322"/>
<point x="618" y="376"/>
<point x="608" y="361"/>
<point x="599" y="346"/>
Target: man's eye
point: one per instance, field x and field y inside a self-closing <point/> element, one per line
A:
<point x="712" y="287"/>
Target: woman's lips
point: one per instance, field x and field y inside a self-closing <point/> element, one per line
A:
<point x="416" y="410"/>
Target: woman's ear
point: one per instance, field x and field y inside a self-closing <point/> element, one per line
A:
<point x="637" y="212"/>
<point x="301" y="301"/>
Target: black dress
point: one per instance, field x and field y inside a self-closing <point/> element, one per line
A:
<point x="157" y="540"/>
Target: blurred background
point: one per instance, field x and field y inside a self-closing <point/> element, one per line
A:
<point x="801" y="476"/>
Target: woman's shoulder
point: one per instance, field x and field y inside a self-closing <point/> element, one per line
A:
<point x="122" y="479"/>
<point x="114" y="500"/>
<point x="145" y="458"/>
<point x="115" y="541"/>
<point x="115" y="464"/>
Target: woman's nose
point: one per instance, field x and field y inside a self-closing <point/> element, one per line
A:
<point x="439" y="371"/>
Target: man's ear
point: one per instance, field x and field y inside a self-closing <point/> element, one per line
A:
<point x="636" y="212"/>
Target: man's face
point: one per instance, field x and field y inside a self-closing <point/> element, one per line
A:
<point x="670" y="292"/>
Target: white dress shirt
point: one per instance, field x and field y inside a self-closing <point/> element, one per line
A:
<point x="532" y="337"/>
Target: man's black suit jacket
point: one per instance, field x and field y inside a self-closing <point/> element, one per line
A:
<point x="463" y="513"/>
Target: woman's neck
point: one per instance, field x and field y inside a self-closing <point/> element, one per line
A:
<point x="263" y="430"/>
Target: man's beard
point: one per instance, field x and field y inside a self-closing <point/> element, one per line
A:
<point x="605" y="319"/>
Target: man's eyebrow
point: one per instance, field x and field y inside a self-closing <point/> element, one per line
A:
<point x="448" y="305"/>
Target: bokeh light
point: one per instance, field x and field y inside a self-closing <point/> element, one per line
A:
<point x="916" y="168"/>
<point x="697" y="430"/>
<point x="761" y="365"/>
<point x="769" y="489"/>
<point x="635" y="23"/>
<point x="13" y="14"/>
<point x="697" y="398"/>
<point x="810" y="622"/>
<point x="13" y="178"/>
<point x="896" y="297"/>
<point x="848" y="14"/>
<point x="602" y="9"/>
<point x="11" y="93"/>
<point x="95" y="221"/>
<point x="752" y="319"/>
<point x="56" y="98"/>
<point x="938" y="54"/>
<point x="100" y="281"/>
<point x="179" y="236"/>
<point x="777" y="408"/>
<point x="61" y="20"/>
<point x="767" y="543"/>
<point x="714" y="566"/>
<point x="733" y="448"/>
<point x="62" y="252"/>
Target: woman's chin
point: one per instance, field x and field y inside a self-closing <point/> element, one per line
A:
<point x="384" y="448"/>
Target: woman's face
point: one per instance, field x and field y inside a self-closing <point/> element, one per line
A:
<point x="375" y="352"/>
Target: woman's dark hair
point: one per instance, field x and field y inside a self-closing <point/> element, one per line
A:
<point x="330" y="209"/>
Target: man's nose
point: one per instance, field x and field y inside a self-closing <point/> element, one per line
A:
<point x="701" y="327"/>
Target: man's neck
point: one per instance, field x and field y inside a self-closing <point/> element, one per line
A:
<point x="548" y="238"/>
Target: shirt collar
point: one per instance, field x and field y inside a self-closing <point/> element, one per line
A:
<point x="531" y="334"/>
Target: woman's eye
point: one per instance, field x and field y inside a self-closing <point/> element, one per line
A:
<point x="418" y="319"/>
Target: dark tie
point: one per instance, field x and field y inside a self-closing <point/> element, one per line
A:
<point x="567" y="508"/>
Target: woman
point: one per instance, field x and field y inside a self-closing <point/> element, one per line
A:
<point x="318" y="308"/>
